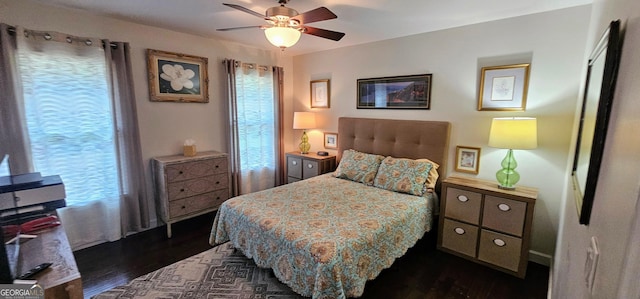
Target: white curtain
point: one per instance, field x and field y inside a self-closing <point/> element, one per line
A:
<point x="69" y="119"/>
<point x="254" y="108"/>
<point x="80" y="120"/>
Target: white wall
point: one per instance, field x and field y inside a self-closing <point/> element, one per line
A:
<point x="163" y="126"/>
<point x="616" y="200"/>
<point x="554" y="44"/>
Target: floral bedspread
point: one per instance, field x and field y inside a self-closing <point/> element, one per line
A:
<point x="324" y="237"/>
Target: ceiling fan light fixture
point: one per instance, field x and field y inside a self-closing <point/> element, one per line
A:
<point x="282" y="37"/>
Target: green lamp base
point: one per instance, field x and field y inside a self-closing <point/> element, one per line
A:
<point x="508" y="176"/>
<point x="304" y="144"/>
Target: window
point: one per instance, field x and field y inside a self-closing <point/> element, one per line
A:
<point x="69" y="118"/>
<point x="256" y="127"/>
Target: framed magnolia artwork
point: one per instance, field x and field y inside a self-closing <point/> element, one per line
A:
<point x="176" y="77"/>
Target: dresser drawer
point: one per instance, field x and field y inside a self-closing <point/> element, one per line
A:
<point x="197" y="203"/>
<point x="310" y="169"/>
<point x="196" y="186"/>
<point x="460" y="237"/>
<point x="189" y="170"/>
<point x="463" y="205"/>
<point x="504" y="215"/>
<point x="294" y="167"/>
<point x="500" y="250"/>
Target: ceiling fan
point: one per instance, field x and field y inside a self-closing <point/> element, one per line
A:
<point x="284" y="24"/>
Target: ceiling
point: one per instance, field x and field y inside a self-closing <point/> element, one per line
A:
<point x="363" y="21"/>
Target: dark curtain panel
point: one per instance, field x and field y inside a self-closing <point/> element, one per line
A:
<point x="13" y="134"/>
<point x="133" y="199"/>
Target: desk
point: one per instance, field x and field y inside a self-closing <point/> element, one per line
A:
<point x="62" y="279"/>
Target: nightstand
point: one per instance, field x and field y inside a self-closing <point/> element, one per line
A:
<point x="304" y="166"/>
<point x="486" y="224"/>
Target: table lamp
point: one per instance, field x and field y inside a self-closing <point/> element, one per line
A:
<point x="304" y="121"/>
<point x="512" y="133"/>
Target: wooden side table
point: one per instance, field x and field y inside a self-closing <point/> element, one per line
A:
<point x="62" y="279"/>
<point x="304" y="166"/>
<point x="486" y="224"/>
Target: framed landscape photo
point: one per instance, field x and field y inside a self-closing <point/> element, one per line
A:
<point x="331" y="140"/>
<point x="175" y="77"/>
<point x="320" y="93"/>
<point x="403" y="92"/>
<point x="504" y="88"/>
<point x="468" y="159"/>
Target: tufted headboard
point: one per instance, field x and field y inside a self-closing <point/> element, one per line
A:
<point x="412" y="139"/>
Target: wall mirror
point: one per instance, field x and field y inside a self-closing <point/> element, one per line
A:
<point x="594" y="118"/>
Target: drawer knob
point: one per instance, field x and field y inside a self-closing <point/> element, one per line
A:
<point x="218" y="197"/>
<point x="217" y="166"/>
<point x="459" y="230"/>
<point x="217" y="183"/>
<point x="180" y="172"/>
<point x="310" y="165"/>
<point x="504" y="207"/>
<point x="182" y="190"/>
<point x="499" y="242"/>
<point x="463" y="198"/>
<point x="294" y="162"/>
<point x="184" y="207"/>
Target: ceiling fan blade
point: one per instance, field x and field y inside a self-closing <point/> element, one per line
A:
<point x="332" y="35"/>
<point x="244" y="9"/>
<point x="236" y="28"/>
<point x="315" y="15"/>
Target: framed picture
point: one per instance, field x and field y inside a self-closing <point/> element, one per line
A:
<point x="175" y="77"/>
<point x="331" y="140"/>
<point x="600" y="83"/>
<point x="504" y="88"/>
<point x="467" y="159"/>
<point x="320" y="93"/>
<point x="405" y="92"/>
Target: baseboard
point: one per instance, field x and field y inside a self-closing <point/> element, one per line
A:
<point x="540" y="258"/>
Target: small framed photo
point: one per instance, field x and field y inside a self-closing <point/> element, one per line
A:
<point x="331" y="140"/>
<point x="467" y="159"/>
<point x="175" y="77"/>
<point x="320" y="93"/>
<point x="504" y="88"/>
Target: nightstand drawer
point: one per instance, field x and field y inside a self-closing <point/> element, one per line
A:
<point x="304" y="166"/>
<point x="309" y="169"/>
<point x="504" y="215"/>
<point x="460" y="237"/>
<point x="500" y="250"/>
<point x="294" y="167"/>
<point x="463" y="205"/>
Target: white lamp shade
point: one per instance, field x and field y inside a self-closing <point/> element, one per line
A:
<point x="514" y="133"/>
<point x="304" y="120"/>
<point x="282" y="37"/>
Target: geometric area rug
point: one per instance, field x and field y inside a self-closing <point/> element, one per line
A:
<point x="218" y="273"/>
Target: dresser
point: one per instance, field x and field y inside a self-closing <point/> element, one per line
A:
<point x="304" y="166"/>
<point x="189" y="186"/>
<point x="486" y="224"/>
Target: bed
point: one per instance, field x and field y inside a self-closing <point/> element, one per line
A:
<point x="326" y="236"/>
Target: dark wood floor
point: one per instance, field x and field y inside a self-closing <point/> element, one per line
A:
<point x="423" y="272"/>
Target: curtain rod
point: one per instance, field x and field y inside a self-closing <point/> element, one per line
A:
<point x="12" y="30"/>
<point x="266" y="67"/>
